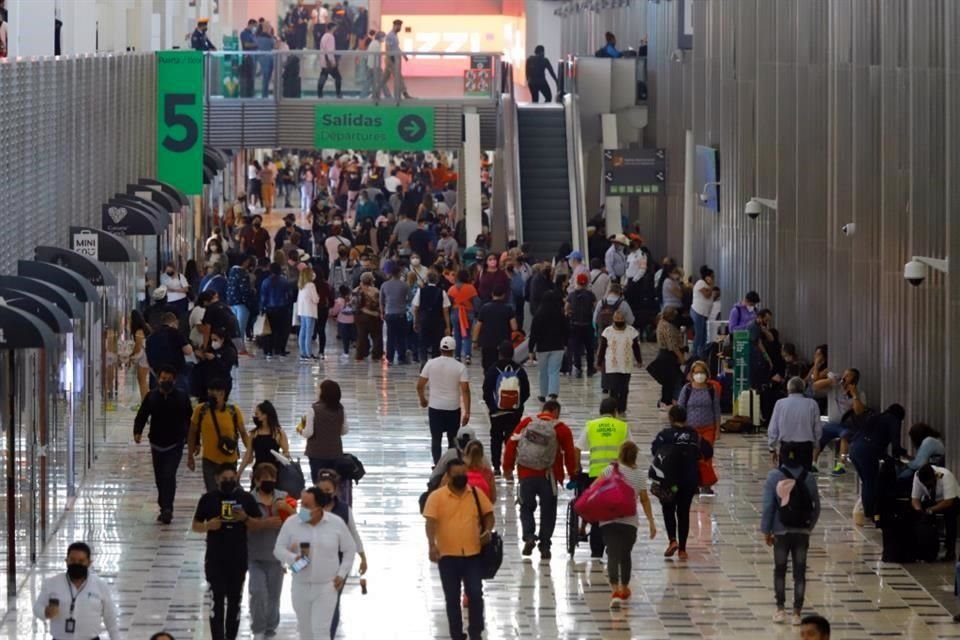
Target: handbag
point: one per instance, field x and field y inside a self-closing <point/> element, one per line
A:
<point x="664" y="369"/>
<point x="610" y="497"/>
<point x="261" y="326"/>
<point x="290" y="479"/>
<point x="708" y="475"/>
<point x="226" y="446"/>
<point x="491" y="554"/>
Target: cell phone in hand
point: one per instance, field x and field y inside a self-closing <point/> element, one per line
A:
<point x="300" y="564"/>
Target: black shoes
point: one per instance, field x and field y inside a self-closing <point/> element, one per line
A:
<point x="165" y="517"/>
<point x="528" y="547"/>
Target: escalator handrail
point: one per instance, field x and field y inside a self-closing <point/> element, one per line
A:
<point x="512" y="141"/>
<point x="577" y="187"/>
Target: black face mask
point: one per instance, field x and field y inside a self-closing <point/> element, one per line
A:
<point x="166" y="386"/>
<point x="267" y="486"/>
<point x="77" y="571"/>
<point x="458" y="482"/>
<point x="228" y="486"/>
<point x="324" y="499"/>
<point x="620" y="325"/>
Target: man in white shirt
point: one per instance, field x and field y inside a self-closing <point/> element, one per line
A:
<point x="329" y="62"/>
<point x="935" y="490"/>
<point x="375" y="61"/>
<point x="77" y="602"/>
<point x="449" y="383"/>
<point x="310" y="544"/>
<point x="177" y="289"/>
<point x="700" y="308"/>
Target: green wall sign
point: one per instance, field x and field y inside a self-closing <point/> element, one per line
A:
<point x="374" y="128"/>
<point x="180" y="120"/>
<point x="742" y="353"/>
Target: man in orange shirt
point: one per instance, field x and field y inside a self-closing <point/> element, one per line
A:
<point x="459" y="523"/>
<point x="540" y="457"/>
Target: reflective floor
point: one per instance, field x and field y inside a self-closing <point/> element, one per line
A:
<point x="723" y="591"/>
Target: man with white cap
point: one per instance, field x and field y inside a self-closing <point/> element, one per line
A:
<point x="615" y="259"/>
<point x="448" y="406"/>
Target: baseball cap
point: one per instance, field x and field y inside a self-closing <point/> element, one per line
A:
<point x="582" y="278"/>
<point x="448" y="344"/>
<point x="575" y="255"/>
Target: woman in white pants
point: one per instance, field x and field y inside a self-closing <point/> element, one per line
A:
<point x="310" y="543"/>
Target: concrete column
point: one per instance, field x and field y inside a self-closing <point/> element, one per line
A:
<point x="614" y="204"/>
<point x="30" y="32"/>
<point x="470" y="177"/>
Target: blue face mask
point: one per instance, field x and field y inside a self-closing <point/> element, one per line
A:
<point x="304" y="514"/>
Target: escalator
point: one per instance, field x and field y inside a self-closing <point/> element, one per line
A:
<point x="544" y="179"/>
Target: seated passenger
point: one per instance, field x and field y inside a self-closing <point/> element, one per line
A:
<point x="935" y="491"/>
<point x="843" y="397"/>
<point x="928" y="445"/>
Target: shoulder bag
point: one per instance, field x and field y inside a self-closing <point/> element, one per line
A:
<point x="491" y="554"/>
<point x="226" y="446"/>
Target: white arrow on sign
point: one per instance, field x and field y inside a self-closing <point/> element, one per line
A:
<point x="608" y="176"/>
<point x="661" y="177"/>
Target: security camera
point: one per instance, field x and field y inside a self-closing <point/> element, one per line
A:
<point x="753" y="209"/>
<point x="704" y="198"/>
<point x="914" y="272"/>
<point x="849" y="229"/>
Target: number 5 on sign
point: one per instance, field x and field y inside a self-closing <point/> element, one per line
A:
<point x="180" y="119"/>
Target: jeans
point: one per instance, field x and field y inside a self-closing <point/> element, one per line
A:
<point x="831" y="431"/>
<point x="619" y="538"/>
<point x="348" y="333"/>
<point x="243" y="317"/>
<point x="465" y="570"/>
<point x="581" y="339"/>
<point x="266" y="583"/>
<point x="801" y="452"/>
<point x="266" y="73"/>
<point x="699" y="332"/>
<point x="226" y="588"/>
<point x="795" y="545"/>
<point x="305" y="339"/>
<point x="165" y="465"/>
<point x="866" y="460"/>
<point x="501" y="426"/>
<point x="550" y="363"/>
<point x="676" y="517"/>
<point x="464" y="343"/>
<point x="210" y="474"/>
<point x="442" y="422"/>
<point x="396" y="336"/>
<point x="618" y="384"/>
<point x="532" y="489"/>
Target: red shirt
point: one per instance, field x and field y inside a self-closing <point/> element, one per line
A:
<point x="566" y="452"/>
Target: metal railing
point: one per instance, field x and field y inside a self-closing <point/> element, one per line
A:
<point x="364" y="76"/>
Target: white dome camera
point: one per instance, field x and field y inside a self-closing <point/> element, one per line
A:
<point x="915" y="272"/>
<point x="849" y="229"/>
<point x="753" y="209"/>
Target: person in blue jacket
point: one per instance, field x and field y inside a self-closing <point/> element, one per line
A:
<point x="275" y="302"/>
<point x="609" y="50"/>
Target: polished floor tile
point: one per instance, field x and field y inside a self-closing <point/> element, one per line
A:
<point x="723" y="591"/>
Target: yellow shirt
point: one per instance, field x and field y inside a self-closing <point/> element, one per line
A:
<point x="458" y="522"/>
<point x="230" y="427"/>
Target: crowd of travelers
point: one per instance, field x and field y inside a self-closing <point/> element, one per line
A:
<point x="380" y="253"/>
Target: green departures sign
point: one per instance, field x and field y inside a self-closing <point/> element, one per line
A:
<point x="180" y="119"/>
<point x="374" y="128"/>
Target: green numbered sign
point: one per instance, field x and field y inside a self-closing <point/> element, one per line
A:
<point x="180" y="119"/>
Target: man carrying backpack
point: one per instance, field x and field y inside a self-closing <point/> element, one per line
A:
<point x="506" y="389"/>
<point x="791" y="507"/>
<point x="580" y="305"/>
<point x="540" y="447"/>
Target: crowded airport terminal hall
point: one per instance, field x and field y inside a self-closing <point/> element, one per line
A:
<point x="486" y="320"/>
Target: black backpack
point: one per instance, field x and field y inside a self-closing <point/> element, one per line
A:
<point x="667" y="469"/>
<point x="798" y="512"/>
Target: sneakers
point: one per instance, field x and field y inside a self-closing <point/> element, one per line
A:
<point x="839" y="469"/>
<point x="545" y="553"/>
<point x="528" y="547"/>
<point x="780" y="616"/>
<point x="671" y="549"/>
<point x="616" y="600"/>
<point x="707" y="492"/>
<point x="795" y="620"/>
<point x="683" y="554"/>
<point x="466" y="360"/>
<point x="165" y="517"/>
<point x="625" y="593"/>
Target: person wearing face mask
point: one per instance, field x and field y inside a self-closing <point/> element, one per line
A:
<point x="493" y="277"/>
<point x="418" y="269"/>
<point x="745" y="312"/>
<point x="618" y="352"/>
<point x="225" y="514"/>
<point x="267" y="435"/>
<point x="447" y="245"/>
<point x="215" y="362"/>
<point x="254" y="239"/>
<point x="459" y="522"/>
<point x="169" y="411"/>
<point x="266" y="572"/>
<point x="701" y="398"/>
<point x="77" y="603"/>
<point x="320" y="550"/>
<point x="177" y="289"/>
<point x="327" y="481"/>
<point x="216" y="429"/>
<point x="615" y="259"/>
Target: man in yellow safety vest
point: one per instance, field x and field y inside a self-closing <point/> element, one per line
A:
<point x="602" y="437"/>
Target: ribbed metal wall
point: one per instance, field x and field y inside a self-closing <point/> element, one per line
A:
<point x="585" y="23"/>
<point x="74" y="131"/>
<point x="844" y="111"/>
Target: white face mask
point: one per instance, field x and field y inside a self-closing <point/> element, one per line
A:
<point x="216" y="344"/>
<point x="699" y="378"/>
<point x="415" y="262"/>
